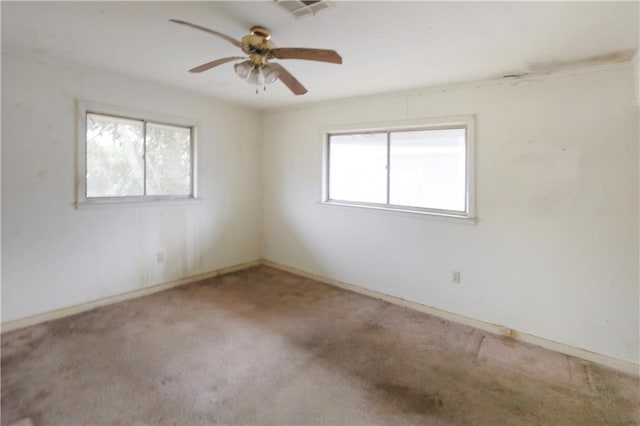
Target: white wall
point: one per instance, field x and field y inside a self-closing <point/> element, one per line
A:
<point x="636" y="75"/>
<point x="555" y="250"/>
<point x="53" y="255"/>
<point x="554" y="253"/>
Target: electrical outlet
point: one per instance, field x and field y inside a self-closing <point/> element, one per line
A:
<point x="455" y="277"/>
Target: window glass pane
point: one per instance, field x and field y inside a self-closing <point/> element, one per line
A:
<point x="168" y="160"/>
<point x="114" y="156"/>
<point x="357" y="167"/>
<point x="428" y="169"/>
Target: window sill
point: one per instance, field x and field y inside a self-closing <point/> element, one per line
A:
<point x="395" y="211"/>
<point x="114" y="203"/>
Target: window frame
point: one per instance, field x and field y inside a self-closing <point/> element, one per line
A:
<point x="84" y="108"/>
<point x="466" y="122"/>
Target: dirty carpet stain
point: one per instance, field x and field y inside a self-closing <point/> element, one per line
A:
<point x="262" y="346"/>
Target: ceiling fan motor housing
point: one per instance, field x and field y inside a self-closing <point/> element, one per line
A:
<point x="257" y="43"/>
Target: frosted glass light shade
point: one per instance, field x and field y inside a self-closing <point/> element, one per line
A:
<point x="243" y="69"/>
<point x="260" y="75"/>
<point x="270" y="74"/>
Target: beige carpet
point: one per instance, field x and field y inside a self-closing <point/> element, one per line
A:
<point x="263" y="347"/>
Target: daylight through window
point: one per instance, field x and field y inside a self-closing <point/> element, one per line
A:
<point x="137" y="158"/>
<point x="419" y="170"/>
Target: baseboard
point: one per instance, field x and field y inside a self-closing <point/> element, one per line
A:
<point x="607" y="361"/>
<point x="76" y="309"/>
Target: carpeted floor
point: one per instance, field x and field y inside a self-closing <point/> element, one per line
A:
<point x="263" y="347"/>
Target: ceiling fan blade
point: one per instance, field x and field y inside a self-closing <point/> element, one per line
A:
<point x="215" y="63"/>
<point x="289" y="80"/>
<point x="224" y="36"/>
<point x="322" y="55"/>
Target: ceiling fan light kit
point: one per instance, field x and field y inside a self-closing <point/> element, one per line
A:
<point x="256" y="68"/>
<point x="260" y="75"/>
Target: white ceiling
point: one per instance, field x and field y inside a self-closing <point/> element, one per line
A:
<point x="386" y="46"/>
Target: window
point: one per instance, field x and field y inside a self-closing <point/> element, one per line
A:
<point x="424" y="168"/>
<point x="134" y="159"/>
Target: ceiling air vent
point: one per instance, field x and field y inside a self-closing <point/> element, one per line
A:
<point x="300" y="8"/>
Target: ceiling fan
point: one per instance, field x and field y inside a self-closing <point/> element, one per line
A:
<point x="256" y="68"/>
